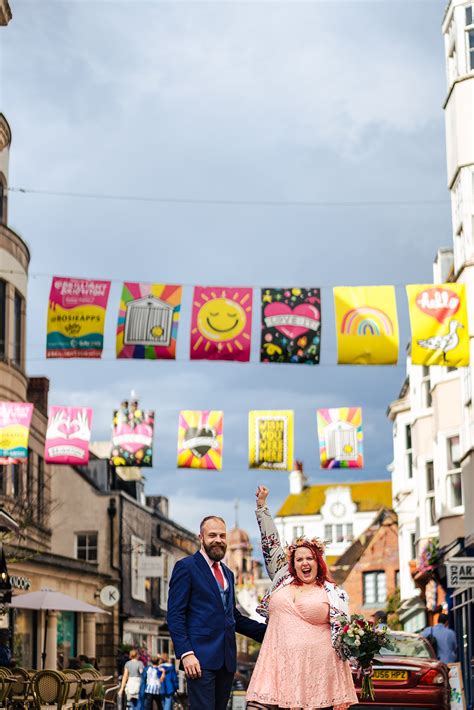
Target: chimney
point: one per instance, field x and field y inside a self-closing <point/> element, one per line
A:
<point x="38" y="388"/>
<point x="297" y="478"/>
<point x="158" y="503"/>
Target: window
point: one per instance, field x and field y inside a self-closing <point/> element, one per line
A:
<point x="430" y="494"/>
<point x="86" y="546"/>
<point x="349" y="532"/>
<point x="454" y="472"/>
<point x="413" y="546"/>
<point x="426" y="399"/>
<point x="298" y="531"/>
<point x="17" y="329"/>
<point x="375" y="588"/>
<point x="397" y="579"/>
<point x="339" y="533"/>
<point x="29" y="475"/>
<point x="328" y="533"/>
<point x="3" y="471"/>
<point x="40" y="498"/>
<point x="470" y="37"/>
<point x="137" y="549"/>
<point x="16" y="480"/>
<point x="165" y="584"/>
<point x="3" y="317"/>
<point x="408" y="451"/>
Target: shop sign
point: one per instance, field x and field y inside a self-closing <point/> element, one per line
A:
<point x="137" y="626"/>
<point x="150" y="566"/>
<point x="460" y="572"/>
<point x="109" y="595"/>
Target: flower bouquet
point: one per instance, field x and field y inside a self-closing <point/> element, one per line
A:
<point x="360" y="640"/>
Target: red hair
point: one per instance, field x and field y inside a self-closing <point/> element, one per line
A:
<point x="323" y="572"/>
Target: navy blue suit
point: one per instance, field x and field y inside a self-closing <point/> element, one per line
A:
<point x="200" y="621"/>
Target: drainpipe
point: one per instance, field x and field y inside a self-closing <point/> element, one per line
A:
<point x="112" y="512"/>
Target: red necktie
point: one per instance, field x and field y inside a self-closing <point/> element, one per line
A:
<point x="218" y="574"/>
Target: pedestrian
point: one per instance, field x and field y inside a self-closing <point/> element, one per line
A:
<point x="203" y="618"/>
<point x="85" y="662"/>
<point x="169" y="684"/>
<point x="444" y="645"/>
<point x="153" y="678"/>
<point x="298" y="665"/>
<point x="131" y="679"/>
<point x="380" y="619"/>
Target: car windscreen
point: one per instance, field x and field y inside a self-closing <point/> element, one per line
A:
<point x="414" y="646"/>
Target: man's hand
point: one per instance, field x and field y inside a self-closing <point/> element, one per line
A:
<point x="261" y="494"/>
<point x="191" y="666"/>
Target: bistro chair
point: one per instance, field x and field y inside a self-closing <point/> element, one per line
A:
<point x="20" y="696"/>
<point x="73" y="681"/>
<point x="109" y="701"/>
<point x="49" y="690"/>
<point x="89" y="677"/>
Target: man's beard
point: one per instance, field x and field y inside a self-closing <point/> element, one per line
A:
<point x="215" y="551"/>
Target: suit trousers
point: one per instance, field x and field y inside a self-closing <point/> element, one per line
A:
<point x="211" y="691"/>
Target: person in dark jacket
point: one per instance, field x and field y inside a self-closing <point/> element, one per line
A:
<point x="170" y="684"/>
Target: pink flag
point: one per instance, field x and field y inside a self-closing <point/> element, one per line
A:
<point x="68" y="435"/>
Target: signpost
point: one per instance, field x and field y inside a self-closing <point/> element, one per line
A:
<point x="460" y="572"/>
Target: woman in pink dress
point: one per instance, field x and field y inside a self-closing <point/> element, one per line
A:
<point x="298" y="666"/>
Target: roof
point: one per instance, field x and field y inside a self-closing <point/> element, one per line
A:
<point x="367" y="495"/>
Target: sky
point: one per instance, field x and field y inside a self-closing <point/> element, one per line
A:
<point x="227" y="102"/>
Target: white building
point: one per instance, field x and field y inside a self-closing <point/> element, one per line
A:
<point x="337" y="513"/>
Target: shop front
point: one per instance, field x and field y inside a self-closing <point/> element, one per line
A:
<point x="142" y="633"/>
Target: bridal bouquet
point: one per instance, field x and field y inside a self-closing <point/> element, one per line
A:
<point x="360" y="640"/>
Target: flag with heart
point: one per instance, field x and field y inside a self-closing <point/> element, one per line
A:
<point x="15" y="420"/>
<point x="148" y="321"/>
<point x="200" y="439"/>
<point x="340" y="437"/>
<point x="366" y="325"/>
<point x="68" y="435"/>
<point x="76" y="317"/>
<point x="271" y="439"/>
<point x="439" y="325"/>
<point x="132" y="437"/>
<point x="291" y="325"/>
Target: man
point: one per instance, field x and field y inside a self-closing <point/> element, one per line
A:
<point x="203" y="618"/>
<point x="446" y="645"/>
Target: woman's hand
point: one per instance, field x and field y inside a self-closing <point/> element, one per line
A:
<point x="261" y="495"/>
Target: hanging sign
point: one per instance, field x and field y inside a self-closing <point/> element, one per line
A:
<point x="340" y="437"/>
<point x="148" y="320"/>
<point x="68" y="435"/>
<point x="200" y="439"/>
<point x="221" y="324"/>
<point x="76" y="317"/>
<point x="291" y="325"/>
<point x="271" y="440"/>
<point x="366" y="325"/>
<point x="15" y="420"/>
<point x="439" y="326"/>
<point x="132" y="437"/>
<point x="460" y="572"/>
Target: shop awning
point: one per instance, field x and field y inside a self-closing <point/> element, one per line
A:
<point x="48" y="599"/>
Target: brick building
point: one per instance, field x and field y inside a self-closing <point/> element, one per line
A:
<point x="369" y="569"/>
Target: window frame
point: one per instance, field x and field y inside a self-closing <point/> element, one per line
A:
<point x="376" y="575"/>
<point x="453" y="471"/>
<point x="430" y="495"/>
<point x="17" y="336"/>
<point x="425" y="389"/>
<point x="3" y="319"/>
<point x="408" y="452"/>
<point x="469" y="32"/>
<point x="88" y="546"/>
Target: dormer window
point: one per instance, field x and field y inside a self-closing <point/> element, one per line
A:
<point x="470" y="36"/>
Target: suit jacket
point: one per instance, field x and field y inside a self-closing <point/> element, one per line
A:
<point x="197" y="619"/>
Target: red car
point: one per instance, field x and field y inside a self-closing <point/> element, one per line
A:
<point x="409" y="677"/>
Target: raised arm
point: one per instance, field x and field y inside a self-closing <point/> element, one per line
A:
<point x="273" y="553"/>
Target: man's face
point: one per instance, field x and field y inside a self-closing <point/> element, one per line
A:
<point x="214" y="539"/>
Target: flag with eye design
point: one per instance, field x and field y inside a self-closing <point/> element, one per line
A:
<point x="291" y="325"/>
<point x="200" y="439"/>
<point x="221" y="323"/>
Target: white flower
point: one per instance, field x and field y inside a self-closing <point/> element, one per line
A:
<point x="361" y="632"/>
<point x="357" y="642"/>
<point x="350" y="632"/>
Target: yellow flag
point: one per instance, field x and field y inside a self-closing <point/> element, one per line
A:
<point x="439" y="327"/>
<point x="366" y="325"/>
<point x="271" y="440"/>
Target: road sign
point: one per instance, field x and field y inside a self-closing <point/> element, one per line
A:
<point x="460" y="572"/>
<point x="109" y="595"/>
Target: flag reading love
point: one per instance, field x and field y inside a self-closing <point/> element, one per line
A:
<point x="291" y="325"/>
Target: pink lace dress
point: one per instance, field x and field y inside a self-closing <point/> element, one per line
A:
<point x="297" y="666"/>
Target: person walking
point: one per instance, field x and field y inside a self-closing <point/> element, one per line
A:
<point x="445" y="639"/>
<point x="203" y="619"/>
<point x="131" y="679"/>
<point x="169" y="684"/>
<point x="298" y="666"/>
<point x="153" y="677"/>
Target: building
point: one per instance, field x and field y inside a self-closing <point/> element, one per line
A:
<point x="337" y="513"/>
<point x="369" y="569"/>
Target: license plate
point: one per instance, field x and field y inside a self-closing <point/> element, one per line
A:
<point x="380" y="674"/>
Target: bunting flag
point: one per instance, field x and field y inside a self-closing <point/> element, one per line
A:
<point x="439" y="326"/>
<point x="148" y="320"/>
<point x="76" y="317"/>
<point x="366" y="324"/>
<point x="291" y="325"/>
<point x="200" y="439"/>
<point x="132" y="437"/>
<point x="68" y="435"/>
<point x="271" y="440"/>
<point x="340" y="437"/>
<point x="221" y="324"/>
<point x="15" y="420"/>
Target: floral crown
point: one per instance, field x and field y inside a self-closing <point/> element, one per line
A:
<point x="305" y="542"/>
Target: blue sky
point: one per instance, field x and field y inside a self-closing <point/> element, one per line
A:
<point x="278" y="101"/>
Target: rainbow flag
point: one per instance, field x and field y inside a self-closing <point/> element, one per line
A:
<point x="340" y="437"/>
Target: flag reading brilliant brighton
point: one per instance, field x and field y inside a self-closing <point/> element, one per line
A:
<point x="76" y="317"/>
<point x="366" y="325"/>
<point x="340" y="437"/>
<point x="132" y="437"/>
<point x="68" y="435"/>
<point x="148" y="320"/>
<point x="271" y="439"/>
<point x="221" y="324"/>
<point x="291" y="325"/>
<point x="200" y="439"/>
<point x="439" y="326"/>
<point x="15" y="420"/>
